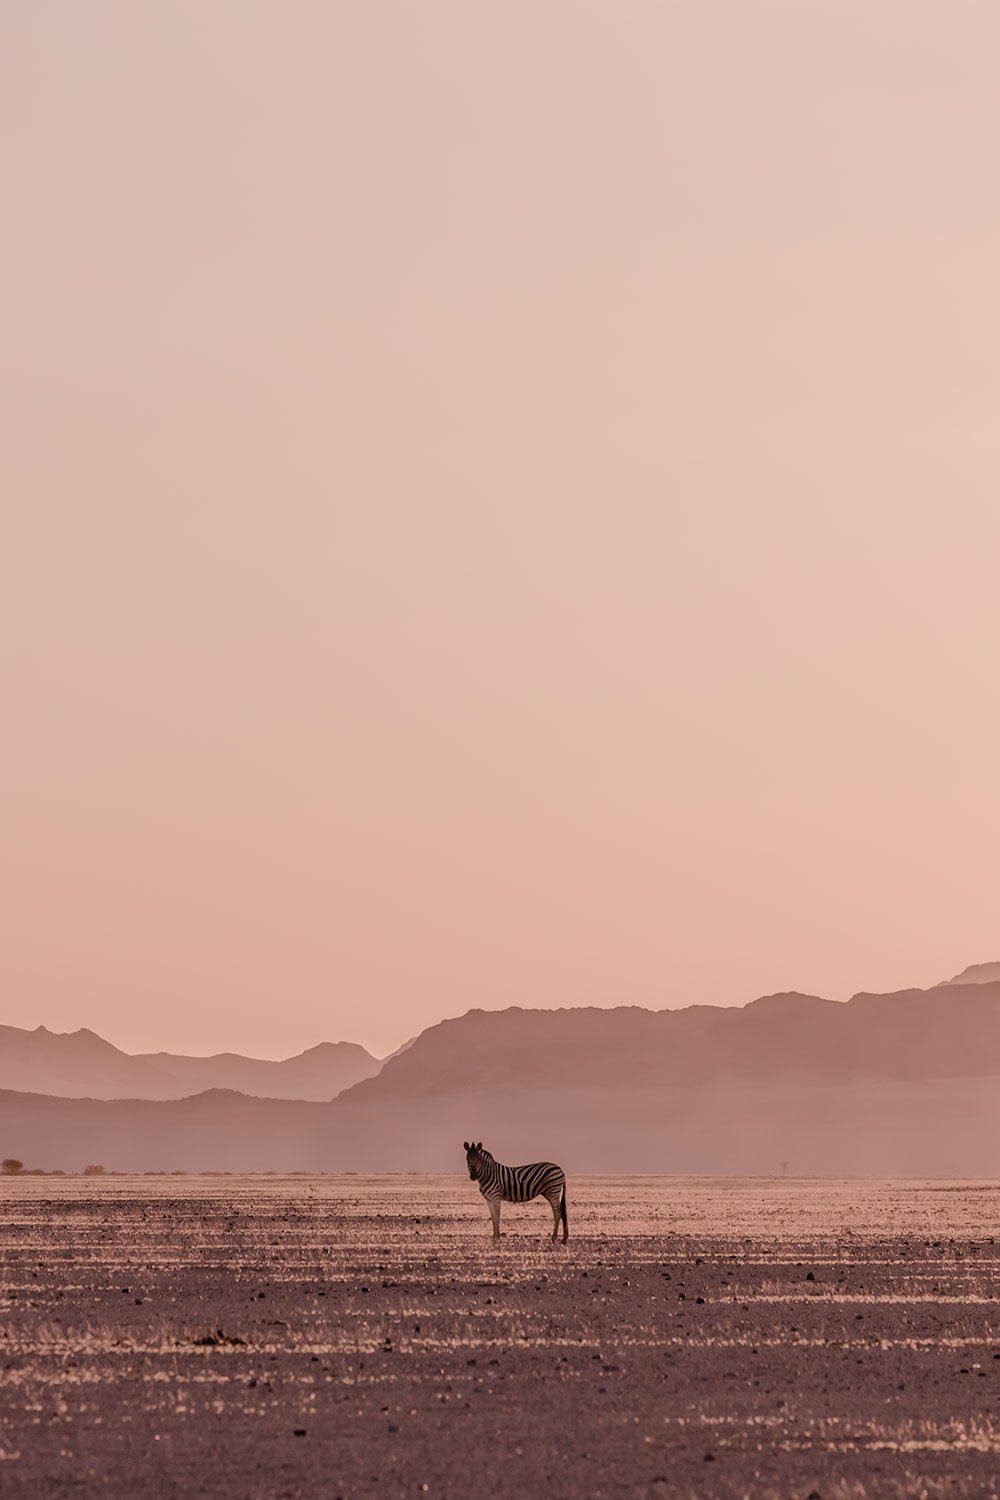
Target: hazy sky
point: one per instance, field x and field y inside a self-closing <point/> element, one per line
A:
<point x="500" y="505"/>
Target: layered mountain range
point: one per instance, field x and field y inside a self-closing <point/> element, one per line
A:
<point x="81" y="1064"/>
<point x="791" y="1038"/>
<point x="907" y="1082"/>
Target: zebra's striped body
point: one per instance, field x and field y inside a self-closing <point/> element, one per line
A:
<point x="499" y="1184"/>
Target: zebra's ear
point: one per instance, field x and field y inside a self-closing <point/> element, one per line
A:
<point x="466" y="1145"/>
<point x="479" y="1145"/>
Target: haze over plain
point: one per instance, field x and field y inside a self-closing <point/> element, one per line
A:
<point x="500" y="508"/>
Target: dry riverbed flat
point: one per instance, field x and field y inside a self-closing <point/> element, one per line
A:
<point x="282" y="1336"/>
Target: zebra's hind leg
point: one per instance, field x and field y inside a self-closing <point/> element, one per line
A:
<point x="553" y="1199"/>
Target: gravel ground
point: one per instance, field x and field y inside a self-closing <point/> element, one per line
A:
<point x="337" y="1336"/>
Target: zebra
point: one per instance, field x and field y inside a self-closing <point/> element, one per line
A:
<point x="497" y="1183"/>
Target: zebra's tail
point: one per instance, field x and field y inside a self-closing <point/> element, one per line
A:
<point x="562" y="1213"/>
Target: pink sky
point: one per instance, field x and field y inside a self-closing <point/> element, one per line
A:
<point x="500" y="506"/>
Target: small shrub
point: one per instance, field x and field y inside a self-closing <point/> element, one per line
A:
<point x="11" y="1166"/>
<point x="93" y="1171"/>
<point x="218" y="1337"/>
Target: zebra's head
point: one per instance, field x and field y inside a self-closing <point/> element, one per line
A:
<point x="472" y="1150"/>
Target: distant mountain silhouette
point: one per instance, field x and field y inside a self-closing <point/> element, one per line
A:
<point x="404" y="1048"/>
<point x="320" y="1072"/>
<point x="950" y="1032"/>
<point x="974" y="974"/>
<point x="80" y="1064"/>
<point x="900" y="1083"/>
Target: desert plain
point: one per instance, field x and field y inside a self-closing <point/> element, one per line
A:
<point x="350" y="1335"/>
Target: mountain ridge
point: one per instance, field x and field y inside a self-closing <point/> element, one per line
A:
<point x="949" y="1030"/>
<point x="81" y="1064"/>
<point x="975" y="974"/>
<point x="788" y="1038"/>
<point x="905" y="1082"/>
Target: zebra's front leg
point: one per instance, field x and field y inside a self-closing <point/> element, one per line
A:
<point x="495" y="1216"/>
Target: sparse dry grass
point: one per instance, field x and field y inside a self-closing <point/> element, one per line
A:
<point x="697" y="1337"/>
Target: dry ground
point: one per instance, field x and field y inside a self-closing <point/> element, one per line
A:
<point x="705" y="1337"/>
